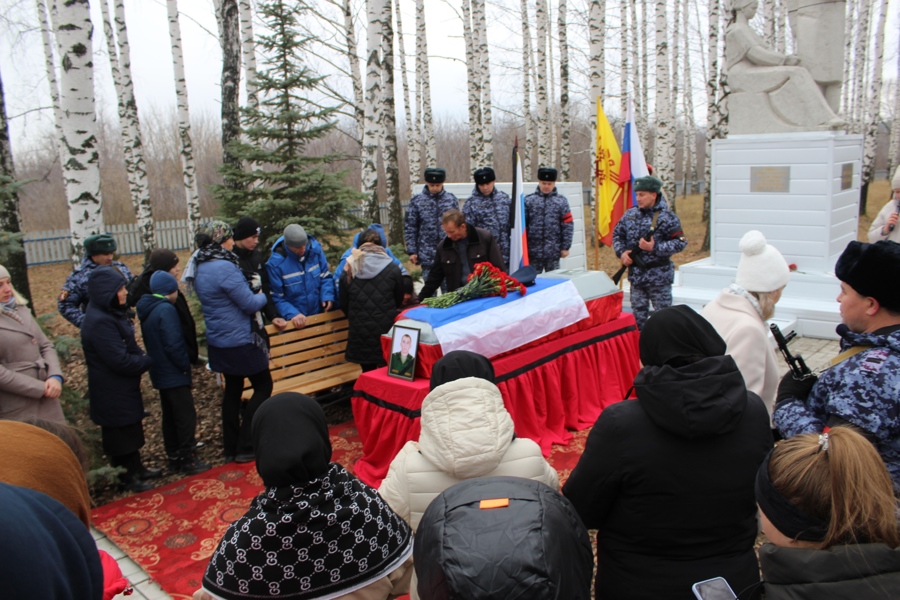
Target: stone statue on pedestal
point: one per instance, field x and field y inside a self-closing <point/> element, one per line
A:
<point x="771" y="92"/>
<point x="818" y="28"/>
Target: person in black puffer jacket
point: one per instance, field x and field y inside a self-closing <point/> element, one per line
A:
<point x="371" y="293"/>
<point x="115" y="364"/>
<point x="667" y="479"/>
<point x="163" y="259"/>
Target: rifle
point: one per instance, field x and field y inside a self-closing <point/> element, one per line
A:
<point x="636" y="259"/>
<point x="796" y="363"/>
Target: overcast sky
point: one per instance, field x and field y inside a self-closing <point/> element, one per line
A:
<point x="22" y="62"/>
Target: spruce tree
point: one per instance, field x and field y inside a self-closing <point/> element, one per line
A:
<point x="280" y="183"/>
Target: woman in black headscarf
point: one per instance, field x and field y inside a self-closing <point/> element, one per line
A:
<point x="667" y="479"/>
<point x="316" y="531"/>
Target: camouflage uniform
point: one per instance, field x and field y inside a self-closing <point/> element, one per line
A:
<point x="862" y="389"/>
<point x="491" y="213"/>
<point x="653" y="283"/>
<point x="73" y="299"/>
<point x="549" y="225"/>
<point x="422" y="225"/>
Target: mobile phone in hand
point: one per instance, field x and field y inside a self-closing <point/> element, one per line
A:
<point x="713" y="589"/>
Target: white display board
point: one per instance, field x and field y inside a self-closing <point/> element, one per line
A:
<point x="577" y="258"/>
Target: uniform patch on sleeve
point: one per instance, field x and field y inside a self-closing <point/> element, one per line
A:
<point x="567" y="218"/>
<point x="874" y="360"/>
<point x="63" y="295"/>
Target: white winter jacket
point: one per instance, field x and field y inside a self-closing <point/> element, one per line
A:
<point x="466" y="433"/>
<point x="747" y="338"/>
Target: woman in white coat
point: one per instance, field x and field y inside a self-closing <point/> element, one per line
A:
<point x="884" y="227"/>
<point x="741" y="310"/>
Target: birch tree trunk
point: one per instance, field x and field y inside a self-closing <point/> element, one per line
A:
<point x="50" y="66"/>
<point x="624" y="32"/>
<point x="80" y="158"/>
<point x="552" y="105"/>
<point x="476" y="129"/>
<point x="248" y="51"/>
<point x="424" y="83"/>
<point x="564" y="121"/>
<point x="412" y="137"/>
<point x="894" y="146"/>
<point x="636" y="59"/>
<point x="597" y="60"/>
<point x="781" y="27"/>
<point x="859" y="66"/>
<point x="846" y="89"/>
<point x="644" y="119"/>
<point x="543" y="119"/>
<point x="227" y="16"/>
<point x="355" y="76"/>
<point x="188" y="168"/>
<point x="373" y="108"/>
<point x="479" y="23"/>
<point x="673" y="91"/>
<point x="665" y="130"/>
<point x="690" y="140"/>
<point x="874" y="113"/>
<point x="10" y="217"/>
<point x="530" y="128"/>
<point x="712" y="114"/>
<point x="767" y="10"/>
<point x="391" y="162"/>
<point x="129" y="124"/>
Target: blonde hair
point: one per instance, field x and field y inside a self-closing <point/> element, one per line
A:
<point x="845" y="485"/>
<point x="767" y="302"/>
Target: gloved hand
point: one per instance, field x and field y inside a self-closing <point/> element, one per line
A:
<point x="255" y="283"/>
<point x="791" y="387"/>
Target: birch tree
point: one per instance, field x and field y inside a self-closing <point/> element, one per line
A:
<point x="543" y="118"/>
<point x="625" y="62"/>
<point x="846" y="93"/>
<point x="479" y="25"/>
<point x="188" y="167"/>
<point x="643" y="120"/>
<point x="894" y="146"/>
<point x="767" y="10"/>
<point x="10" y="217"/>
<point x="423" y="87"/>
<point x="129" y="124"/>
<point x="665" y="130"/>
<point x="674" y="52"/>
<point x="228" y="19"/>
<point x="859" y="66"/>
<point x="412" y="137"/>
<point x="248" y="51"/>
<point x="713" y="113"/>
<point x="526" y="85"/>
<point x="373" y="108"/>
<point x="597" y="60"/>
<point x="353" y="62"/>
<point x="874" y="114"/>
<point x="80" y="158"/>
<point x="565" y="123"/>
<point x="690" y="126"/>
<point x="389" y="117"/>
<point x="50" y="66"/>
<point x="473" y="88"/>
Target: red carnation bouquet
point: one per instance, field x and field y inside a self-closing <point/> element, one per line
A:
<point x="486" y="280"/>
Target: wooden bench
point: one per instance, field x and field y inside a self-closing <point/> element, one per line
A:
<point x="311" y="359"/>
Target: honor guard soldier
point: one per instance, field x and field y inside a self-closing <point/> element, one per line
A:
<point x="422" y="225"/>
<point x="644" y="239"/>
<point x="488" y="208"/>
<point x="98" y="252"/>
<point x="548" y="221"/>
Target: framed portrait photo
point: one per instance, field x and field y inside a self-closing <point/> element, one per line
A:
<point x="404" y="348"/>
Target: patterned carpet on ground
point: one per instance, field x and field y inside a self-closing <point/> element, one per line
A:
<point x="173" y="530"/>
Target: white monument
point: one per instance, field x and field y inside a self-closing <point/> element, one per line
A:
<point x="802" y="191"/>
<point x="577" y="258"/>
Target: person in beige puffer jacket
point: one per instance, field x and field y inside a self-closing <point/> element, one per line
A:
<point x="466" y="433"/>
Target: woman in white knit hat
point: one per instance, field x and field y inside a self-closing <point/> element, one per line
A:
<point x="740" y="312"/>
<point x="884" y="227"/>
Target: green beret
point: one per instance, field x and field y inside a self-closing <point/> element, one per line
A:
<point x="102" y="243"/>
<point x="872" y="270"/>
<point x="648" y="183"/>
<point x="435" y="175"/>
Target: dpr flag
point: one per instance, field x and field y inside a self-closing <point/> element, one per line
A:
<point x="607" y="191"/>
<point x="518" y="244"/>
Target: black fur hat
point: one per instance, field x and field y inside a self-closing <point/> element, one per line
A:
<point x="435" y="175"/>
<point x="547" y="174"/>
<point x="484" y="175"/>
<point x="872" y="270"/>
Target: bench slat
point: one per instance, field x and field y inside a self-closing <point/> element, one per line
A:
<point x="307" y="332"/>
<point x="318" y="351"/>
<point x="287" y="350"/>
<point x="323" y="379"/>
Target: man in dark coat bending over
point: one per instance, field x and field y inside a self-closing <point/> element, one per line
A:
<point x="459" y="252"/>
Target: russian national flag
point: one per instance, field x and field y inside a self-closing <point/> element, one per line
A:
<point x="634" y="165"/>
<point x="518" y="243"/>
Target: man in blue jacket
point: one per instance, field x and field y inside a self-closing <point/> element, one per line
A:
<point x="299" y="279"/>
<point x="170" y="372"/>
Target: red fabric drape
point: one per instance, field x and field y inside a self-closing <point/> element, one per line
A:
<point x="549" y="389"/>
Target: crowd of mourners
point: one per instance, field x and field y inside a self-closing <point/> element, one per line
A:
<point x="712" y="446"/>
